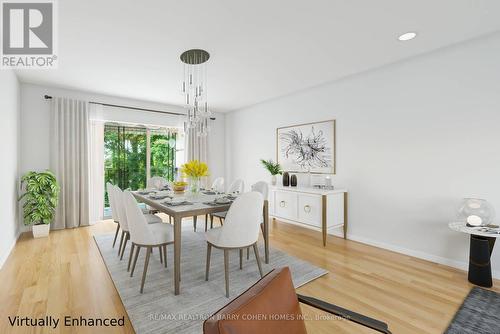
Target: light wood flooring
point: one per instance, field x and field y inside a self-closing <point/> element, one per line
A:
<point x="65" y="275"/>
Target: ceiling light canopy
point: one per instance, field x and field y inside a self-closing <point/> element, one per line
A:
<point x="407" y="36"/>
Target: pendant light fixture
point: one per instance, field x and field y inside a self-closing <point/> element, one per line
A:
<point x="194" y="88"/>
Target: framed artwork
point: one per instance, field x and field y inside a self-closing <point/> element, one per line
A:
<point x="307" y="147"/>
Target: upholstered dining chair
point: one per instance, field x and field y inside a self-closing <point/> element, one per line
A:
<point x="263" y="188"/>
<point x="237" y="187"/>
<point x="156" y="182"/>
<point x="114" y="213"/>
<point x="240" y="230"/>
<point x="145" y="235"/>
<point x="217" y="186"/>
<point x="122" y="218"/>
<point x="271" y="306"/>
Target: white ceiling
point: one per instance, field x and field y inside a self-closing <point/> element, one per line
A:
<point x="260" y="49"/>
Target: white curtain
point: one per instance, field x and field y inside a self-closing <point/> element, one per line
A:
<point x="69" y="157"/>
<point x="96" y="163"/>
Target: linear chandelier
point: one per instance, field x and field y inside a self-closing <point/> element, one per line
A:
<point x="194" y="88"/>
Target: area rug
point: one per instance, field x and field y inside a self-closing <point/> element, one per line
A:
<point x="479" y="314"/>
<point x="158" y="310"/>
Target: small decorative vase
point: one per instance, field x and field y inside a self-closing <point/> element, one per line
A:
<point x="286" y="179"/>
<point x="293" y="180"/>
<point x="273" y="180"/>
<point x="194" y="185"/>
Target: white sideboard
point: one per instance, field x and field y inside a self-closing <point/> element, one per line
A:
<point x="319" y="209"/>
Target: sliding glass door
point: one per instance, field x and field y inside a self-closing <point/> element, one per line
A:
<point x="132" y="154"/>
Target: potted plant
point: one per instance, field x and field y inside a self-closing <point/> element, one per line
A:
<point x="40" y="201"/>
<point x="194" y="170"/>
<point x="273" y="168"/>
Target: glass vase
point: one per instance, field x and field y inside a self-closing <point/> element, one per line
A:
<point x="194" y="186"/>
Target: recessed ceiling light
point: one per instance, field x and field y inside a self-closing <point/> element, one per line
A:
<point x="407" y="36"/>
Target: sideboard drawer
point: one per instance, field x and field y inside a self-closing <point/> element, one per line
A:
<point x="310" y="209"/>
<point x="285" y="205"/>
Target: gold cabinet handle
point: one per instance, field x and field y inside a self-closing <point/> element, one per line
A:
<point x="307" y="208"/>
<point x="282" y="204"/>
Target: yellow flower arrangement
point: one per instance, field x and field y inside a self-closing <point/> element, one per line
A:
<point x="194" y="169"/>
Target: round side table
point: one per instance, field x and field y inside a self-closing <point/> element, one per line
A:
<point x="481" y="246"/>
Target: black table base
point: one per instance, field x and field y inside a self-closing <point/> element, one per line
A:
<point x="479" y="260"/>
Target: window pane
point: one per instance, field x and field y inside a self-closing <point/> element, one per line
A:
<point x="163" y="154"/>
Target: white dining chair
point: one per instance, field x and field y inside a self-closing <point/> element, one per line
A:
<point x="237" y="187"/>
<point x="114" y="213"/>
<point x="263" y="188"/>
<point x="118" y="202"/>
<point x="156" y="182"/>
<point x="218" y="185"/>
<point x="145" y="235"/>
<point x="240" y="231"/>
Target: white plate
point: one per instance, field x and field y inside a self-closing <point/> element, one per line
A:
<point x="222" y="201"/>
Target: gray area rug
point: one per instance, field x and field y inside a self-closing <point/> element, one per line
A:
<point x="479" y="314"/>
<point x="158" y="310"/>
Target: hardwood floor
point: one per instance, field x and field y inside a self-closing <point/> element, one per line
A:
<point x="65" y="275"/>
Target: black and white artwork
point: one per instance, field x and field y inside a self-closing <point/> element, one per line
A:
<point x="307" y="147"/>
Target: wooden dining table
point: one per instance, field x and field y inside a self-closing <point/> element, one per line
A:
<point x="196" y="207"/>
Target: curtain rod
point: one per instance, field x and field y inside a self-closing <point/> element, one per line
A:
<point x="48" y="97"/>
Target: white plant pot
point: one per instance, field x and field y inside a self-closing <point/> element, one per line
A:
<point x="40" y="231"/>
<point x="273" y="180"/>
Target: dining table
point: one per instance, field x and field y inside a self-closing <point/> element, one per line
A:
<point x="191" y="206"/>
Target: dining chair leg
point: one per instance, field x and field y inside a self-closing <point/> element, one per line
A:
<point x="226" y="270"/>
<point x="148" y="254"/>
<point x="130" y="257"/>
<point x="165" y="255"/>
<point x="121" y="242"/>
<point x="116" y="234"/>
<point x="256" y="251"/>
<point x="127" y="236"/>
<point x="161" y="254"/>
<point x="241" y="258"/>
<point x="221" y="222"/>
<point x="248" y="253"/>
<point x="195" y="219"/>
<point x="170" y="219"/>
<point x="135" y="260"/>
<point x="206" y="222"/>
<point x="209" y="251"/>
<point x="211" y="221"/>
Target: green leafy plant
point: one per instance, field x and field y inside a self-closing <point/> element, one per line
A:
<point x="272" y="167"/>
<point x="40" y="197"/>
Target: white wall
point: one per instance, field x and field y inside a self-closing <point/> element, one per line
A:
<point x="9" y="168"/>
<point x="413" y="138"/>
<point x="35" y="123"/>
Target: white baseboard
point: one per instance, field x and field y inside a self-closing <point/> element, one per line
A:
<point x="6" y="256"/>
<point x="418" y="254"/>
<point x="410" y="252"/>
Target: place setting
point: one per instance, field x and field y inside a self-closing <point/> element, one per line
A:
<point x="219" y="201"/>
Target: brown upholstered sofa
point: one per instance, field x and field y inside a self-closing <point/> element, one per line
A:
<point x="271" y="306"/>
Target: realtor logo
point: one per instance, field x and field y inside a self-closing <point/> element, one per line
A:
<point x="28" y="34"/>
